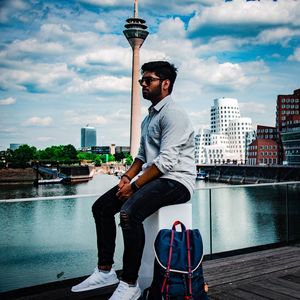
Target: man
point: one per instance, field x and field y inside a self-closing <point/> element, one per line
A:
<point x="163" y="173"/>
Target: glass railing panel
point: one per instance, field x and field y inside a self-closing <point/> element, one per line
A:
<point x="201" y="216"/>
<point x="244" y="217"/>
<point x="47" y="240"/>
<point x="293" y="208"/>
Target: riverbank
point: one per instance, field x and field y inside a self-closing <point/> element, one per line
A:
<point x="69" y="174"/>
<point x="244" y="174"/>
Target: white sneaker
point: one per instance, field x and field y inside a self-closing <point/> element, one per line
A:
<point x="97" y="280"/>
<point x="126" y="292"/>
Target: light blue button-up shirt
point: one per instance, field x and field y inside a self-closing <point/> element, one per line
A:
<point x="167" y="140"/>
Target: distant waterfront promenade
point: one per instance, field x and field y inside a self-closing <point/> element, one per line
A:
<point x="59" y="235"/>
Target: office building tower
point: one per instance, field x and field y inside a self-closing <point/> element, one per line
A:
<point x="88" y="137"/>
<point x="287" y="110"/>
<point x="14" y="146"/>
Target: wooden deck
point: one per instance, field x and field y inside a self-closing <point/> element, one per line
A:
<point x="268" y="274"/>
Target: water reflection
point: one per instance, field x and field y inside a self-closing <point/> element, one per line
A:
<point x="43" y="240"/>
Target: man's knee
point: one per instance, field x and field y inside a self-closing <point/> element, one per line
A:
<point x="124" y="220"/>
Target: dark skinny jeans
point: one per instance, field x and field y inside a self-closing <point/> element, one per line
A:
<point x="143" y="203"/>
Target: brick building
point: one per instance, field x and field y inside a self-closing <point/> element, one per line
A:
<point x="263" y="152"/>
<point x="266" y="132"/>
<point x="287" y="110"/>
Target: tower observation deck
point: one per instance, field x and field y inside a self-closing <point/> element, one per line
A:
<point x="136" y="33"/>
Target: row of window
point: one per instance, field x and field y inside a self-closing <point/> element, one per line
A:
<point x="252" y="161"/>
<point x="290" y="106"/>
<point x="271" y="147"/>
<point x="290" y="112"/>
<point x="266" y="130"/>
<point x="226" y="107"/>
<point x="254" y="153"/>
<point x="283" y="100"/>
<point x="266" y="136"/>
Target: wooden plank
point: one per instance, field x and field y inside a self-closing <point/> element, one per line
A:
<point x="221" y="296"/>
<point x="260" y="262"/>
<point x="292" y="278"/>
<point x="262" y="291"/>
<point x="285" y="283"/>
<point x="241" y="294"/>
<point x="241" y="275"/>
<point x="272" y="285"/>
<point x="255" y="264"/>
<point x="283" y="251"/>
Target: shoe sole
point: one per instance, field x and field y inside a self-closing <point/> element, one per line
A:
<point x="96" y="286"/>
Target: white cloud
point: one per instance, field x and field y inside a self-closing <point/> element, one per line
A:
<point x="45" y="77"/>
<point x="64" y="34"/>
<point x="252" y="107"/>
<point x="277" y="35"/>
<point x="7" y="101"/>
<point x="107" y="84"/>
<point x="116" y="56"/>
<point x="113" y="3"/>
<point x="10" y="9"/>
<point x="45" y="138"/>
<point x="227" y="74"/>
<point x="101" y="26"/>
<point x="295" y="56"/>
<point x="74" y="117"/>
<point x="33" y="46"/>
<point x="172" y="28"/>
<point x="38" y="121"/>
<point x="248" y="12"/>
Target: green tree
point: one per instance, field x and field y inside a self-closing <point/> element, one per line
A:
<point x="98" y="161"/>
<point x="70" y="152"/>
<point x="129" y="159"/>
<point x="23" y="155"/>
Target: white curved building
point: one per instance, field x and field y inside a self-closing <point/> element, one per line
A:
<point x="229" y="135"/>
<point x="238" y="130"/>
<point x="202" y="139"/>
<point x="222" y="112"/>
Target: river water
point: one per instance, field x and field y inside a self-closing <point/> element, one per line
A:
<point x="49" y="240"/>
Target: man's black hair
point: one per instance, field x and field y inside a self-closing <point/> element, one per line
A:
<point x="163" y="70"/>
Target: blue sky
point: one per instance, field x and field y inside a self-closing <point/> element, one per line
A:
<point x="66" y="64"/>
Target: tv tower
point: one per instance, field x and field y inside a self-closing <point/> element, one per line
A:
<point x="135" y="33"/>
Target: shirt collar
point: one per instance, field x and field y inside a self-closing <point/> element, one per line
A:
<point x="160" y="104"/>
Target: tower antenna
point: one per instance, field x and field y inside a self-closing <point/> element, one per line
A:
<point x="135" y="9"/>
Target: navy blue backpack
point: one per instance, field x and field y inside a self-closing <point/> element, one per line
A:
<point x="178" y="270"/>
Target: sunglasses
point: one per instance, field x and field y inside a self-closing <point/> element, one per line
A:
<point x="148" y="80"/>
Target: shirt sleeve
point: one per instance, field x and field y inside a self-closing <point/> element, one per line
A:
<point x="177" y="133"/>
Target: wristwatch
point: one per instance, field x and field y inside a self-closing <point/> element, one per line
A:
<point x="134" y="186"/>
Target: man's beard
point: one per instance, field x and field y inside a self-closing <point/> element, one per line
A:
<point x="153" y="95"/>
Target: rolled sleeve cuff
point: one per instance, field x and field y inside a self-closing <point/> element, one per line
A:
<point x="140" y="157"/>
<point x="162" y="166"/>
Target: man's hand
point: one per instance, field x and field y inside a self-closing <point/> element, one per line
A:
<point x="124" y="180"/>
<point x="125" y="191"/>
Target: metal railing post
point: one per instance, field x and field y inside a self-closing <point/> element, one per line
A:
<point x="287" y="218"/>
<point x="210" y="225"/>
